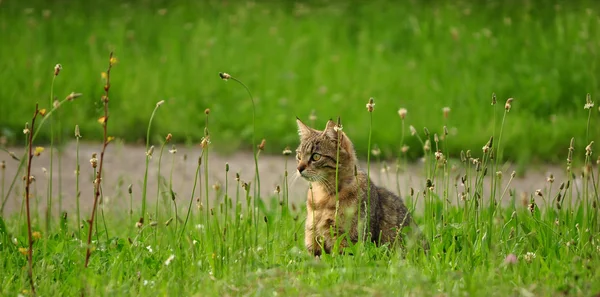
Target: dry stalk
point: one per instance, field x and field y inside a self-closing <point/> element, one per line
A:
<point x="104" y="121"/>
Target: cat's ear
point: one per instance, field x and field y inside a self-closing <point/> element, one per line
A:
<point x="303" y="130"/>
<point x="331" y="131"/>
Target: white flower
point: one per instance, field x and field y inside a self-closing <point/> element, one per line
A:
<point x="149" y="248"/>
<point x="168" y="261"/>
<point x="529" y="257"/>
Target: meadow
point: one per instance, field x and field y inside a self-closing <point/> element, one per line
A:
<point x="235" y="242"/>
<point x="485" y="238"/>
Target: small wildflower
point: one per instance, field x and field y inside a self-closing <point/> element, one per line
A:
<point x="224" y="76"/>
<point x="499" y="174"/>
<point x="371" y="105"/>
<point x="402" y="112"/>
<point x="56" y="104"/>
<point x="23" y="251"/>
<point x="413" y="131"/>
<point x="102" y="120"/>
<point x="277" y="189"/>
<point x="216" y="187"/>
<point x="169" y="260"/>
<point x="439" y="155"/>
<point x="57" y="69"/>
<point x="149" y="248"/>
<point x="529" y="256"/>
<point x="26" y="130"/>
<point x="42" y="112"/>
<point x="36" y="234"/>
<point x="338" y="128"/>
<point x="508" y="104"/>
<point x="510" y="259"/>
<point x="550" y="178"/>
<point x="113" y="61"/>
<point x="538" y="192"/>
<point x="103" y="75"/>
<point x="139" y="225"/>
<point x="73" y="96"/>
<point x="446" y="111"/>
<point x="173" y="150"/>
<point x="532" y="206"/>
<point x="109" y="139"/>
<point x="168" y="138"/>
<point x="588" y="102"/>
<point x="38" y="151"/>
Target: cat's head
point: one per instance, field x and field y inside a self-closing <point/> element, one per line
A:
<point x="318" y="151"/>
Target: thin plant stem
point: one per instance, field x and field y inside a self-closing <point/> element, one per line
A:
<point x="148" y="156"/>
<point x="28" y="181"/>
<point x="192" y="195"/>
<point x="98" y="178"/>
<point x="50" y="182"/>
<point x="369" y="172"/>
<point x="77" y="173"/>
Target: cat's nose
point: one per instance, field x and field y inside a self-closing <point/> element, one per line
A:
<point x="301" y="167"/>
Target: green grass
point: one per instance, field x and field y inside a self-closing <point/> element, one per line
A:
<point x="236" y="244"/>
<point x="326" y="56"/>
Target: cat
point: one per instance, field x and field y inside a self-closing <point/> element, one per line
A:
<point x="382" y="211"/>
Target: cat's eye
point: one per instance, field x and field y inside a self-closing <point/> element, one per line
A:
<point x="316" y="157"/>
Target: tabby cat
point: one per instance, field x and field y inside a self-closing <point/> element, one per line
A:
<point x="382" y="213"/>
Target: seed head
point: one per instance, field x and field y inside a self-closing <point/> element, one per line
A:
<point x="413" y="131"/>
<point x="3" y="164"/>
<point x="376" y="151"/>
<point x="205" y="142"/>
<point x="77" y="134"/>
<point x="168" y="138"/>
<point x="402" y="112"/>
<point x="173" y="150"/>
<point x="159" y="103"/>
<point x="404" y="149"/>
<point x="538" y="192"/>
<point x="446" y="111"/>
<point x="550" y="178"/>
<point x="493" y="98"/>
<point x="150" y="152"/>
<point x="508" y="104"/>
<point x="287" y="151"/>
<point x="588" y="102"/>
<point x="130" y="188"/>
<point x="57" y="69"/>
<point x="26" y="130"/>
<point x="427" y="145"/>
<point x="313" y="116"/>
<point x="261" y="146"/>
<point x="277" y="189"/>
<point x="94" y="161"/>
<point x="207" y="111"/>
<point x="224" y="76"/>
<point x="588" y="149"/>
<point x="73" y="96"/>
<point x="499" y="174"/>
<point x="371" y="105"/>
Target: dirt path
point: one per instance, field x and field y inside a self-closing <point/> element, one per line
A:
<point x="125" y="165"/>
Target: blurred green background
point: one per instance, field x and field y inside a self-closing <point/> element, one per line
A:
<point x="298" y="56"/>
